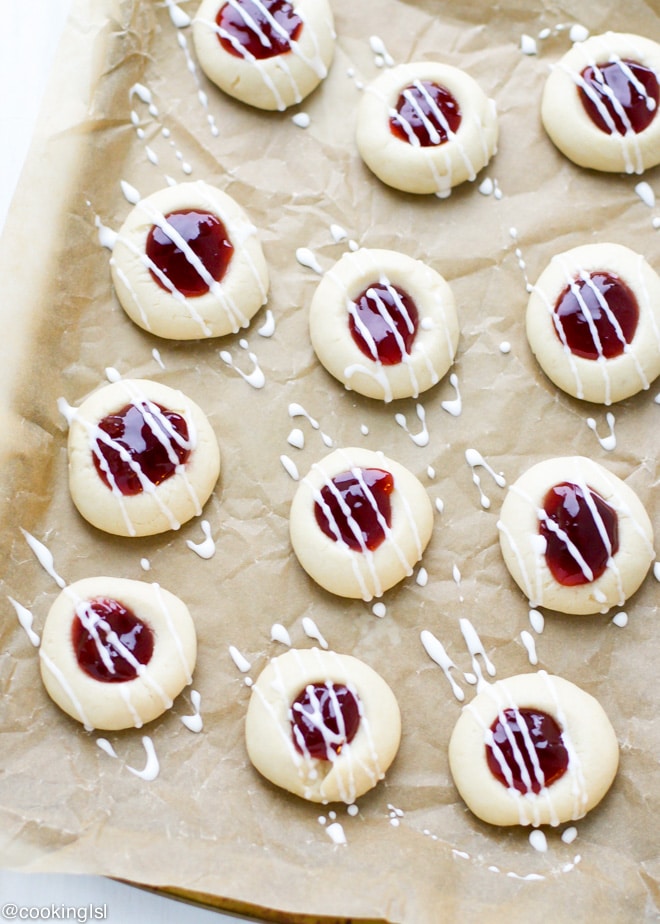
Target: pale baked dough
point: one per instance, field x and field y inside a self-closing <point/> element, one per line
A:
<point x="333" y="564"/>
<point x="435" y="343"/>
<point x="412" y="167"/>
<point x="157" y="508"/>
<point x="570" y="127"/>
<point x="523" y="546"/>
<point x="599" y="380"/>
<point x="227" y="306"/>
<point x="359" y="765"/>
<point x="269" y="83"/>
<point x="587" y="735"/>
<point x="131" y="703"/>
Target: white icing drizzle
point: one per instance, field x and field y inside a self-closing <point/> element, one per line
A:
<point x="629" y="140"/>
<point x="536" y="621"/>
<point x="267" y="329"/>
<point x="312" y="631"/>
<point x="476" y="650"/>
<point x="206" y="548"/>
<point x="382" y="57"/>
<point x="315" y="62"/>
<point x="656" y="570"/>
<point x="239" y="659"/>
<point x="307" y="258"/>
<point x="152" y="767"/>
<point x="530" y="646"/>
<point x="106" y="747"/>
<point x="25" y="619"/>
<point x="192" y="69"/>
<point x="145" y="96"/>
<point x="422" y="437"/>
<point x="107" y="237"/>
<point x="607" y="442"/>
<point x="180" y="19"/>
<point x="162" y="430"/>
<point x="278" y="633"/>
<point x="44" y="557"/>
<point x="645" y="193"/>
<point x="364" y="553"/>
<point x="569" y="834"/>
<point x="455" y="406"/>
<point x="620" y="619"/>
<point x="336" y="833"/>
<point x="301" y="119"/>
<point x="129" y="192"/>
<point x="538" y="840"/>
<point x="505" y="347"/>
<point x="145" y="564"/>
<point x="296" y="438"/>
<point x="255" y="378"/>
<point x="297" y="410"/>
<point x="290" y="467"/>
<point x="422" y="578"/>
<point x="474" y="459"/>
<point x="379" y="610"/>
<point x="111" y="374"/>
<point x="66" y="687"/>
<point x="513" y="234"/>
<point x="436" y="652"/>
<point x="157" y="357"/>
<point x="194" y="722"/>
<point x="529" y="804"/>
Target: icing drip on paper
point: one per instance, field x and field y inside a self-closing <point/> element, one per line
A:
<point x="194" y="722"/>
<point x="475" y="460"/>
<point x="206" y="548"/>
<point x="607" y="442"/>
<point x="25" y="619"/>
<point x="44" y="557"/>
<point x="152" y="766"/>
<point x="422" y="437"/>
<point x="312" y="631"/>
<point x="256" y="377"/>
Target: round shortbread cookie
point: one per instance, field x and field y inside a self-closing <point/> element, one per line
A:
<point x="583" y="555"/>
<point x="600" y="72"/>
<point x="145" y="472"/>
<point x="187" y="264"/>
<point x="384" y="324"/>
<point x="354" y="747"/>
<point x="104" y="628"/>
<point x="359" y="522"/>
<point x="593" y="322"/>
<point x="242" y="52"/>
<point x="418" y="143"/>
<point x="551" y="789"/>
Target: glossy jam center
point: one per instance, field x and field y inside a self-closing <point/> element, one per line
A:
<point x="258" y="28"/>
<point x="324" y="717"/>
<point x="110" y="642"/>
<point x="581" y="533"/>
<point x="598" y="316"/>
<point x="356" y="510"/>
<point x="383" y="322"/>
<point x="528" y="742"/>
<point x="627" y="95"/>
<point x="148" y="442"/>
<point x="426" y="115"/>
<point x="190" y="237"/>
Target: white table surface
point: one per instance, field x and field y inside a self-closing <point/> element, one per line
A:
<point x="28" y="37"/>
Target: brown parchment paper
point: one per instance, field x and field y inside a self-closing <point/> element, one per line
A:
<point x="208" y="826"/>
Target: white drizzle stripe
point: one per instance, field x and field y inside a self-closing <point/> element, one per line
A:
<point x="66" y="687"/>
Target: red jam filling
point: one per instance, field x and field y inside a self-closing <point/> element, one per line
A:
<point x="110" y="641"/>
<point x="324" y="717"/>
<point x="147" y="441"/>
<point x="258" y="28"/>
<point x="598" y="316"/>
<point x="632" y="85"/>
<point x="205" y="235"/>
<point x="587" y="537"/>
<point x="529" y="743"/>
<point x="383" y="323"/>
<point x="425" y="112"/>
<point x="356" y="516"/>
